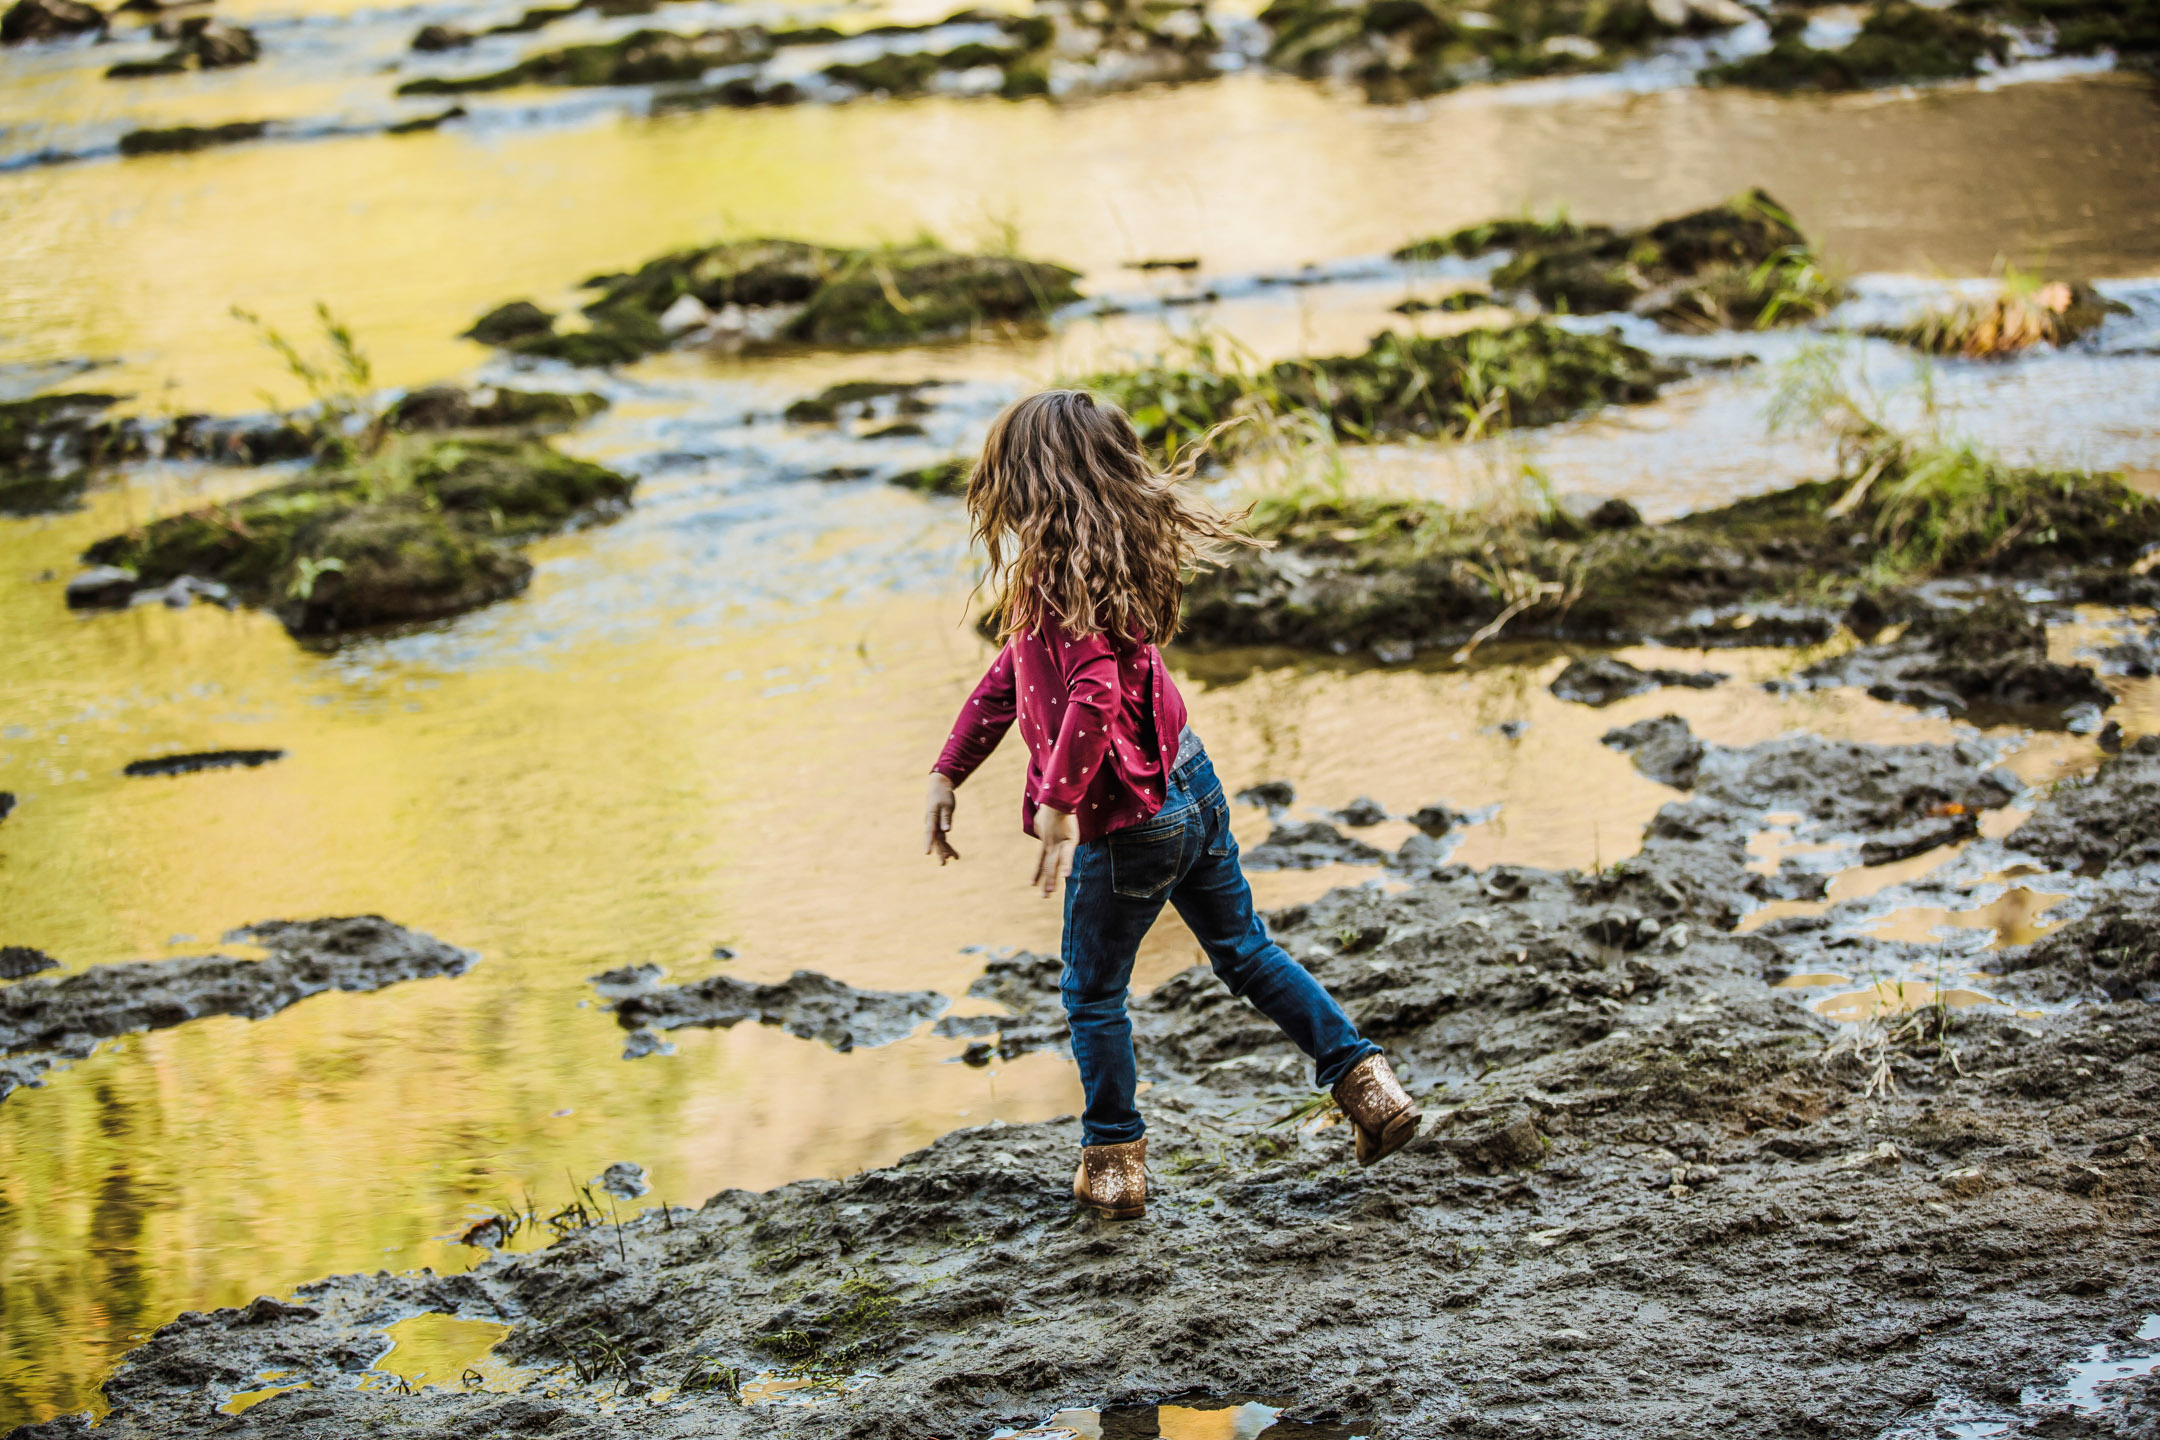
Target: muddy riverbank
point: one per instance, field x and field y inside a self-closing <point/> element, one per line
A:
<point x="1652" y="1193"/>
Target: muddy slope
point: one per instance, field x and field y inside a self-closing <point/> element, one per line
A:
<point x="1652" y="1198"/>
<point x="46" y="1021"/>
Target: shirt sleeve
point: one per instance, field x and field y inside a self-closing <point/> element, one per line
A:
<point x="1084" y="716"/>
<point x="983" y="721"/>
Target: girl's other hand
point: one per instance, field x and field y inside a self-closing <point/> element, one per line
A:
<point x="1059" y="833"/>
<point x="937" y="819"/>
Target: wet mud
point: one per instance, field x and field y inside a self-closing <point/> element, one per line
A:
<point x="806" y="1004"/>
<point x="45" y="1022"/>
<point x="1990" y="658"/>
<point x="1652" y="1195"/>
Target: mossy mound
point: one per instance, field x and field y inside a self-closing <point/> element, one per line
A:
<point x="1773" y="569"/>
<point x="1531" y="374"/>
<point x="415" y="532"/>
<point x="644" y="57"/>
<point x="770" y="290"/>
<point x="1402" y="49"/>
<point x="1742" y="263"/>
<point x="1898" y="43"/>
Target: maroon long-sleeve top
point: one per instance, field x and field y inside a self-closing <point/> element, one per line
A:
<point x="1101" y="720"/>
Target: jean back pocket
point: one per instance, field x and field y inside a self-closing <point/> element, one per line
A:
<point x="1144" y="861"/>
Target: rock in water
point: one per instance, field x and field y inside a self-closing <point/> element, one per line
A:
<point x="101" y="587"/>
<point x="806" y="1004"/>
<point x="1603" y="679"/>
<point x="189" y="763"/>
<point x="7" y="803"/>
<point x="1663" y="749"/>
<point x="42" y="1021"/>
<point x="1309" y="846"/>
<point x="48" y="20"/>
<point x="622" y="1180"/>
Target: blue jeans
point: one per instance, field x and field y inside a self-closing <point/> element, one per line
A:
<point x="1186" y="855"/>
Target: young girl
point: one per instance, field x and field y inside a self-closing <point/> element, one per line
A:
<point x="1089" y="545"/>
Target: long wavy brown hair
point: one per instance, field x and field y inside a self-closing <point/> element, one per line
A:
<point x="1079" y="523"/>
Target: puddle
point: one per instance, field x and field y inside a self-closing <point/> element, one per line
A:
<point x="447" y="1351"/>
<point x="247" y="1400"/>
<point x="1897" y="997"/>
<point x="773" y="1387"/>
<point x="2099" y="1369"/>
<point x="1233" y="1418"/>
<point x="2014" y="918"/>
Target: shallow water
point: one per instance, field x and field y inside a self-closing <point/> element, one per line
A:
<point x="706" y="723"/>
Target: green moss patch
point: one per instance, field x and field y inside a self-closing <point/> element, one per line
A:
<point x="415" y="532"/>
<point x="796" y="291"/>
<point x="1898" y="43"/>
<point x="1742" y="263"/>
<point x="1531" y="374"/>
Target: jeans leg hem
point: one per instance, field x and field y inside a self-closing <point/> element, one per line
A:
<point x="1327" y="1079"/>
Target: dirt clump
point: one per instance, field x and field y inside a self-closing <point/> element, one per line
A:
<point x="45" y="1021"/>
<point x="806" y="1004"/>
<point x="1652" y="1195"/>
<point x="185" y="139"/>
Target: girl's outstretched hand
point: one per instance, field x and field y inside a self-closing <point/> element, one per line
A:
<point x="1059" y="833"/>
<point x="937" y="819"/>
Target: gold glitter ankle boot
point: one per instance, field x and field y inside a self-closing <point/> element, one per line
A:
<point x="1113" y="1179"/>
<point x="1379" y="1108"/>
